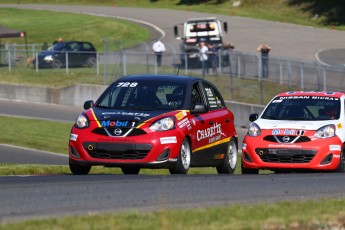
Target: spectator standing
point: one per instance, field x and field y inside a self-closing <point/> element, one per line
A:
<point x="158" y="48"/>
<point x="264" y="49"/>
<point x="212" y="57"/>
<point x="226" y="55"/>
<point x="58" y="40"/>
<point x="203" y="58"/>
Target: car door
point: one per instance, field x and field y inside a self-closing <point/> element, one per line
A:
<point x="204" y="129"/>
<point x="213" y="129"/>
<point x="73" y="51"/>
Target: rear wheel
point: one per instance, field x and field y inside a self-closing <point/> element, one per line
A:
<point x="91" y="62"/>
<point x="130" y="170"/>
<point x="78" y="169"/>
<point x="230" y="159"/>
<point x="341" y="166"/>
<point x="183" y="160"/>
<point x="248" y="170"/>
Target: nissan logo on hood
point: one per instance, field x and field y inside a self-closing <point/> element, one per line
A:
<point x="117" y="132"/>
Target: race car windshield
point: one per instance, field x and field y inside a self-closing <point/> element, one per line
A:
<point x="309" y="108"/>
<point x="144" y="95"/>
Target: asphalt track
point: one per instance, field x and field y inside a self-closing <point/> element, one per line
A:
<point x="26" y="197"/>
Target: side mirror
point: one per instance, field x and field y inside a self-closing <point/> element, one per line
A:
<point x="88" y="104"/>
<point x="176" y="31"/>
<point x="253" y="117"/>
<point x="199" y="108"/>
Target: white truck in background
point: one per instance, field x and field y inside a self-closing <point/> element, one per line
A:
<point x="196" y="30"/>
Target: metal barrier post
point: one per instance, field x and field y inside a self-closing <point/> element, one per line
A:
<point x="302" y="77"/>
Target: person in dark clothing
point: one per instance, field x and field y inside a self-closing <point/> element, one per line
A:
<point x="212" y="57"/>
<point x="264" y="49"/>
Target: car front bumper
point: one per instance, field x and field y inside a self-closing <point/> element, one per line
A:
<point x="318" y="154"/>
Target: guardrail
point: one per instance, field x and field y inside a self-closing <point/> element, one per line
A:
<point x="296" y="74"/>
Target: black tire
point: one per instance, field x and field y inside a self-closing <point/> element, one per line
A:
<point x="56" y="64"/>
<point x="341" y="166"/>
<point x="130" y="170"/>
<point x="91" y="62"/>
<point x="183" y="160"/>
<point x="230" y="159"/>
<point x="78" y="169"/>
<point x="248" y="171"/>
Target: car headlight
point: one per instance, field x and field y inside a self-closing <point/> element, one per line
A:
<point x="163" y="124"/>
<point x="48" y="58"/>
<point x="254" y="130"/>
<point x="82" y="122"/>
<point x="325" y="131"/>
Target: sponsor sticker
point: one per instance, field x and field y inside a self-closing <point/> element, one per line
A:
<point x="244" y="146"/>
<point x="334" y="147"/>
<point x="168" y="140"/>
<point x="275" y="131"/>
<point x="184" y="123"/>
<point x="73" y="137"/>
<point x="180" y="115"/>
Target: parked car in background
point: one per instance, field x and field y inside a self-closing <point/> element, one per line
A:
<point x="297" y="131"/>
<point x="155" y="121"/>
<point x="70" y="53"/>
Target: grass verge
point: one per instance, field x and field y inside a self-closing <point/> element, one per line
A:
<point x="306" y="215"/>
<point x="46" y="26"/>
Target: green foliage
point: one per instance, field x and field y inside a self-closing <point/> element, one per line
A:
<point x="331" y="11"/>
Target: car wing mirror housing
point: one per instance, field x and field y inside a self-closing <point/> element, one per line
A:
<point x="253" y="117"/>
<point x="88" y="104"/>
<point x="200" y="108"/>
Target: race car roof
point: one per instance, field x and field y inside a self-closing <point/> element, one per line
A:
<point x="156" y="77"/>
<point x="312" y="93"/>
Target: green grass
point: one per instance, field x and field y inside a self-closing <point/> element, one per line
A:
<point x="306" y="215"/>
<point x="35" y="169"/>
<point x="37" y="134"/>
<point x="46" y="26"/>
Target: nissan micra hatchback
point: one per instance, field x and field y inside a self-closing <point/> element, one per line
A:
<point x="155" y="121"/>
<point x="297" y="131"/>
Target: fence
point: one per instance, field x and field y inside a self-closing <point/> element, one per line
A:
<point x="108" y="66"/>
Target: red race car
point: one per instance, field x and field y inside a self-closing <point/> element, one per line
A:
<point x="297" y="131"/>
<point x="155" y="121"/>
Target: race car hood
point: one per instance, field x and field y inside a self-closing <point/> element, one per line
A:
<point x="46" y="53"/>
<point x="120" y="117"/>
<point x="279" y="124"/>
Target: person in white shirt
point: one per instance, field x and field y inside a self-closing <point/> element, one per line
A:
<point x="203" y="58"/>
<point x="158" y="47"/>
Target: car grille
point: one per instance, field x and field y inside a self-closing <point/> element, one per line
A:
<point x="285" y="155"/>
<point x="122" y="151"/>
<point x="124" y="132"/>
<point x="286" y="139"/>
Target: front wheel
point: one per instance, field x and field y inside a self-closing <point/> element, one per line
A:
<point x="341" y="166"/>
<point x="248" y="170"/>
<point x="183" y="160"/>
<point x="56" y="64"/>
<point x="78" y="169"/>
<point x="229" y="164"/>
